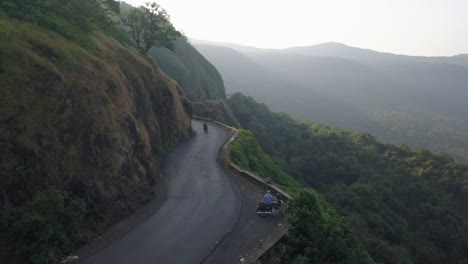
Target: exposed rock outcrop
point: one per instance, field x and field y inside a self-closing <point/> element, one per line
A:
<point x="84" y="121"/>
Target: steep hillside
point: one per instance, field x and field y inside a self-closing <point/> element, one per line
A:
<point x="340" y="78"/>
<point x="198" y="77"/>
<point x="281" y="92"/>
<point x="406" y="206"/>
<point x="237" y="69"/>
<point x="316" y="232"/>
<point x="89" y="120"/>
<point x="216" y="110"/>
<point x="403" y="84"/>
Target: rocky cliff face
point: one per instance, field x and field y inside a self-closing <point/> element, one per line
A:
<point x="197" y="76"/>
<point x="91" y="122"/>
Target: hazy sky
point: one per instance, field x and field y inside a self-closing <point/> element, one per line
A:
<point x="414" y="27"/>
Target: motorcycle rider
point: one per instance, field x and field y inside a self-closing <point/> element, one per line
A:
<point x="268" y="198"/>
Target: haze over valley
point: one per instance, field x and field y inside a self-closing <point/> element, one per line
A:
<point x="127" y="137"/>
<point x="419" y="101"/>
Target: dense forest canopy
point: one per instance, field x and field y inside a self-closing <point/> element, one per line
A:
<point x="407" y="206"/>
<point x="316" y="232"/>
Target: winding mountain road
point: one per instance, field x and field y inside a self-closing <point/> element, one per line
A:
<point x="202" y="219"/>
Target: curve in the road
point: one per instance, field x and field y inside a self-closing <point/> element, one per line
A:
<point x="201" y="206"/>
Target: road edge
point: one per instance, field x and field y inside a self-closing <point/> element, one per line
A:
<point x="227" y="163"/>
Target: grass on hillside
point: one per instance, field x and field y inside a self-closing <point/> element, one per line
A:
<point x="26" y="47"/>
<point x="246" y="153"/>
<point x="35" y="63"/>
<point x="316" y="231"/>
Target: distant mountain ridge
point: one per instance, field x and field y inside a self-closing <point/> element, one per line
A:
<point x="342" y="86"/>
<point x="241" y="73"/>
<point x="327" y="49"/>
<point x="335" y="49"/>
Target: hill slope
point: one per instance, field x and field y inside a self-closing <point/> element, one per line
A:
<point x="196" y="75"/>
<point x="407" y="206"/>
<point x="89" y="121"/>
<point x="241" y="73"/>
<point x="316" y="232"/>
<point x="344" y="86"/>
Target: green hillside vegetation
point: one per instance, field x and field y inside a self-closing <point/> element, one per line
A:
<point x="45" y="227"/>
<point x="216" y="110"/>
<point x="347" y="87"/>
<point x="246" y="153"/>
<point x="407" y="206"/>
<point x="73" y="19"/>
<point x="198" y="77"/>
<point x="149" y="26"/>
<point x="316" y="232"/>
<point x="420" y="129"/>
<point x="183" y="63"/>
<point x="84" y="116"/>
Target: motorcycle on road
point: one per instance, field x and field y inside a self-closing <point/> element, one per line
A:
<point x="274" y="208"/>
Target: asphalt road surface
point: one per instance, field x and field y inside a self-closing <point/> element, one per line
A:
<point x="208" y="216"/>
<point x="201" y="206"/>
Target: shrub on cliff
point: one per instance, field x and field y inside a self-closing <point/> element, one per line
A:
<point x="246" y="153"/>
<point x="317" y="234"/>
<point x="45" y="228"/>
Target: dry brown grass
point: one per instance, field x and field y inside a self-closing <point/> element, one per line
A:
<point x="83" y="118"/>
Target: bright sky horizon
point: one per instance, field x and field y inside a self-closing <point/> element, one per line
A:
<point x="410" y="27"/>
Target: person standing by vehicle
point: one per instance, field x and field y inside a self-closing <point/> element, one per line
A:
<point x="268" y="198"/>
<point x="279" y="201"/>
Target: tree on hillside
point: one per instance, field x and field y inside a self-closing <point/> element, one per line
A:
<point x="318" y="234"/>
<point x="150" y="26"/>
<point x="406" y="206"/>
